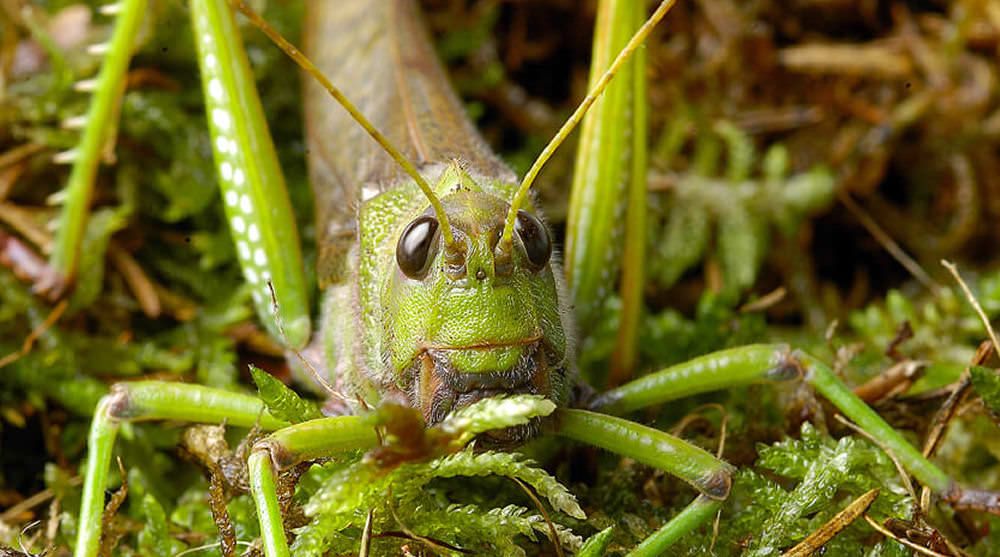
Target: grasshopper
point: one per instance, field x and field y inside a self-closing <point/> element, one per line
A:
<point x="441" y="285"/>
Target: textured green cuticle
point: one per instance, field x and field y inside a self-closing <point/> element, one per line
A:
<point x="485" y="360"/>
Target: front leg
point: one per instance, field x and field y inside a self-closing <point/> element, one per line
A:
<point x="288" y="447"/>
<point x="709" y="475"/>
<point x="152" y="400"/>
<point x="763" y="362"/>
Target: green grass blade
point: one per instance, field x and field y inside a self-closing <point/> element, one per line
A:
<point x="100" y="122"/>
<point x="626" y="351"/>
<point x="250" y="179"/>
<point x="600" y="177"/>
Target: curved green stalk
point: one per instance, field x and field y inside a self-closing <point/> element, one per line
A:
<point x="829" y="385"/>
<point x="250" y="179"/>
<point x="319" y="438"/>
<point x="100" y="122"/>
<point x="717" y="370"/>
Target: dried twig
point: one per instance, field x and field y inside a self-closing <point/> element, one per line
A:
<point x="136" y="278"/>
<point x="33" y="336"/>
<point x="890" y="382"/>
<point x="826" y="532"/>
<point x="950" y="406"/>
<point x="972" y="300"/>
<point x="765" y="301"/>
<point x="35" y="500"/>
<point x="366" y="535"/>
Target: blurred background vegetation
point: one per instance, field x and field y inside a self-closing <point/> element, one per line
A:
<point x="811" y="162"/>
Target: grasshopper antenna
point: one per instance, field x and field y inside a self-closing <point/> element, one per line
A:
<point x="506" y="238"/>
<point x="295" y="54"/>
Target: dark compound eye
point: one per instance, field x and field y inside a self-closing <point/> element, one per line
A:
<point x="535" y="238"/>
<point x="413" y="252"/>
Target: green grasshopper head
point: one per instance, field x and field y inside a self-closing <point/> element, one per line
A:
<point x="470" y="320"/>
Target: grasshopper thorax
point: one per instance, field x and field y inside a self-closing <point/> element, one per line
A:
<point x="469" y="320"/>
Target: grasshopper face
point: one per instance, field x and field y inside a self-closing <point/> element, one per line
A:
<point x="472" y="321"/>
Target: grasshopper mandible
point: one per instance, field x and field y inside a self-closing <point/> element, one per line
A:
<point x="441" y="289"/>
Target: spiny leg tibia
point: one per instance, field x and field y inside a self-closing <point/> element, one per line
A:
<point x="152" y="400"/>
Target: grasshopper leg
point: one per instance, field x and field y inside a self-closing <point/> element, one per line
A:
<point x="709" y="475"/>
<point x="700" y="510"/>
<point x="764" y="362"/>
<point x="286" y="448"/>
<point x="698" y="467"/>
<point x="152" y="400"/>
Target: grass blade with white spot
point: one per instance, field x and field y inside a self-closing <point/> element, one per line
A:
<point x="250" y="179"/>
